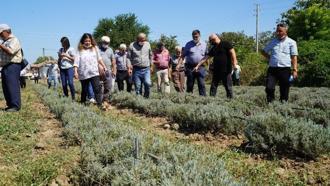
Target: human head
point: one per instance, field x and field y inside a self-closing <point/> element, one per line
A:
<point x="160" y="46"/>
<point x="281" y="31"/>
<point x="178" y="50"/>
<point x="65" y="42"/>
<point x="141" y="37"/>
<point x="86" y="42"/>
<point x="5" y="31"/>
<point x="105" y="40"/>
<point x="122" y="47"/>
<point x="214" y="39"/>
<point x="196" y="34"/>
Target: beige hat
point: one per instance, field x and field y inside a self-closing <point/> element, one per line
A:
<point x="4" y="27"/>
<point x="105" y="39"/>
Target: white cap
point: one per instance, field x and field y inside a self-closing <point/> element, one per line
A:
<point x="105" y="39"/>
<point x="122" y="46"/>
<point x="4" y="27"/>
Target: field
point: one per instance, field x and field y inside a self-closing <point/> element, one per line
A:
<point x="175" y="139"/>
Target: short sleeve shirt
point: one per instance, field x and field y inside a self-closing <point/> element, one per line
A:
<point x="221" y="57"/>
<point x="52" y="70"/>
<point x="194" y="53"/>
<point x="280" y="52"/>
<point x="65" y="63"/>
<point x="107" y="57"/>
<point x="122" y="61"/>
<point x="14" y="46"/>
<point x="87" y="63"/>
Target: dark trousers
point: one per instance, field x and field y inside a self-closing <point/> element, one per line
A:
<point x="22" y="80"/>
<point x="192" y="76"/>
<point x="226" y="80"/>
<point x="122" y="75"/>
<point x="67" y="79"/>
<point x="281" y="74"/>
<point x="10" y="75"/>
<point x="95" y="81"/>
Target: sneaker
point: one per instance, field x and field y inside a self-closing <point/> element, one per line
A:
<point x="92" y="100"/>
<point x="12" y="109"/>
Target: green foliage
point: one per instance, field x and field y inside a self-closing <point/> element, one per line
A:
<point x="275" y="133"/>
<point x="108" y="156"/>
<point x="124" y="28"/>
<point x="215" y="114"/>
<point x="42" y="59"/>
<point x="169" y="41"/>
<point x="254" y="69"/>
<point x="309" y="20"/>
<point x="242" y="43"/>
<point x="265" y="38"/>
<point x="315" y="59"/>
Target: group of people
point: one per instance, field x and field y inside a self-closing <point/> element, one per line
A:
<point x="97" y="64"/>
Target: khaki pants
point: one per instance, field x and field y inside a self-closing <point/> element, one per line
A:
<point x="162" y="77"/>
<point x="179" y="80"/>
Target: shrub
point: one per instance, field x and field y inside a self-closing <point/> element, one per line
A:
<point x="275" y="133"/>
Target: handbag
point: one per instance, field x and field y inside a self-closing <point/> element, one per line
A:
<point x="24" y="61"/>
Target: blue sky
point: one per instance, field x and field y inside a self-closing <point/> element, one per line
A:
<point x="41" y="23"/>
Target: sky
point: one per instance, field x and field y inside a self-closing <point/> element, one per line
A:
<point x="40" y="24"/>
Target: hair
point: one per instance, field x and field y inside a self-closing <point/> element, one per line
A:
<point x="282" y="25"/>
<point x="83" y="38"/>
<point x="65" y="42"/>
<point x="178" y="48"/>
<point x="194" y="32"/>
<point x="122" y="46"/>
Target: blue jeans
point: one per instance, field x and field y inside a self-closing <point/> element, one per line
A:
<point x="90" y="92"/>
<point x="10" y="75"/>
<point x="67" y="79"/>
<point x="50" y="79"/>
<point x="200" y="76"/>
<point x="142" y="75"/>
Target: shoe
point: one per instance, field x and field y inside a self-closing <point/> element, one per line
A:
<point x="12" y="110"/>
<point x="92" y="101"/>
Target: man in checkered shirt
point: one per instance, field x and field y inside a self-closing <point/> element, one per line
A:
<point x="10" y="61"/>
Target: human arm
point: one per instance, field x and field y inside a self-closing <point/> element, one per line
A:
<point x="294" y="63"/>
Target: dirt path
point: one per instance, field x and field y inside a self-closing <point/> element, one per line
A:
<point x="32" y="148"/>
<point x="50" y="141"/>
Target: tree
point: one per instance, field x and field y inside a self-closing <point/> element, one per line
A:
<point x="314" y="57"/>
<point x="169" y="41"/>
<point x="242" y="43"/>
<point x="309" y="19"/>
<point x="42" y="59"/>
<point x="265" y="38"/>
<point x="124" y="28"/>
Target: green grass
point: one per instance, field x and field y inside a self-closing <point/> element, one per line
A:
<point x="19" y="163"/>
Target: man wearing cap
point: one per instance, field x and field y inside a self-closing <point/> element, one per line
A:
<point x="140" y="55"/>
<point x="10" y="59"/>
<point x="108" y="58"/>
<point x="194" y="51"/>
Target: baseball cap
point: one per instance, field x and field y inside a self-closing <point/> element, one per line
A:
<point x="4" y="27"/>
<point x="105" y="39"/>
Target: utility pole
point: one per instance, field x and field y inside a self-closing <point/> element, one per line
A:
<point x="43" y="52"/>
<point x="257" y="27"/>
